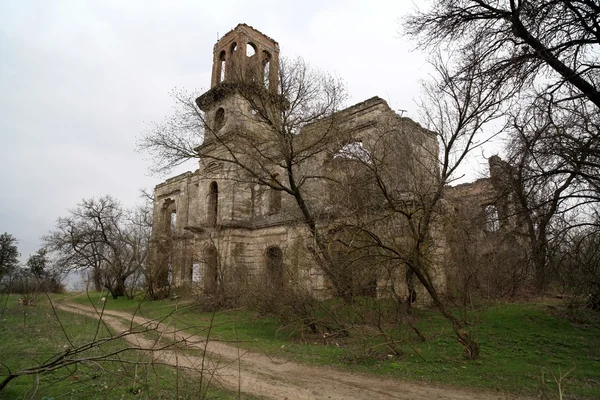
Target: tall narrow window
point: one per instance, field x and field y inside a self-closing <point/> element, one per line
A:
<point x="195" y="272"/>
<point x="274" y="271"/>
<point x="266" y="61"/>
<point x="173" y="221"/>
<point x="169" y="216"/>
<point x="221" y="71"/>
<point x="211" y="269"/>
<point x="219" y="118"/>
<point x="213" y="203"/>
<point x="274" y="197"/>
<point x="492" y="222"/>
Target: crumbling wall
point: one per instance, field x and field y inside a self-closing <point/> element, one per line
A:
<point x="484" y="234"/>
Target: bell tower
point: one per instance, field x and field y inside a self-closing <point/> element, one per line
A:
<point x="244" y="56"/>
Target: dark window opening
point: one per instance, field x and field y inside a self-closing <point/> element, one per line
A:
<point x="211" y="270"/>
<point x="274" y="198"/>
<point x="233" y="47"/>
<point x="219" y="118"/>
<point x="213" y="203"/>
<point x="274" y="257"/>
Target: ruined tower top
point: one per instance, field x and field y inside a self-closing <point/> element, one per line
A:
<point x="246" y="55"/>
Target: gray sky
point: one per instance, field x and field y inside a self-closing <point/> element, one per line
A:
<point x="80" y="80"/>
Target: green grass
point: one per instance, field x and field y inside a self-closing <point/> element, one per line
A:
<point x="32" y="334"/>
<point x="523" y="346"/>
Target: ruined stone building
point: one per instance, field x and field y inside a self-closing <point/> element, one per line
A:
<point x="487" y="229"/>
<point x="219" y="224"/>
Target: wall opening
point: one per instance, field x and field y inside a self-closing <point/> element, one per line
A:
<point x="233" y="47"/>
<point x="492" y="222"/>
<point x="274" y="197"/>
<point x="173" y="222"/>
<point x="250" y="49"/>
<point x="195" y="275"/>
<point x="213" y="203"/>
<point x="274" y="257"/>
<point x="266" y="63"/>
<point x="221" y="66"/>
<point x="354" y="151"/>
<point x="169" y="216"/>
<point x="211" y="269"/>
<point x="219" y="119"/>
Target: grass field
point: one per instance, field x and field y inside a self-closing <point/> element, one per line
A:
<point x="29" y="335"/>
<point x="525" y="348"/>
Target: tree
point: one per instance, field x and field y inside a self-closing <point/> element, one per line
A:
<point x="546" y="54"/>
<point x="555" y="153"/>
<point x="519" y="40"/>
<point x="9" y="254"/>
<point x="38" y="263"/>
<point x="407" y="223"/>
<point x="99" y="235"/>
<point x="580" y="254"/>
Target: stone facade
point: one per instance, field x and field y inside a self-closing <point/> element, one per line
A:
<point x="217" y="225"/>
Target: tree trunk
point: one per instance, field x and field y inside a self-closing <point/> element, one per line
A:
<point x="321" y="254"/>
<point x="97" y="278"/>
<point x="471" y="346"/>
<point x="119" y="289"/>
<point x="410" y="285"/>
<point x="539" y="266"/>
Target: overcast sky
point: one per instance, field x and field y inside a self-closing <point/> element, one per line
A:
<point x="80" y="80"/>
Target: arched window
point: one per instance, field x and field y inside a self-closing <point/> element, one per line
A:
<point x="221" y="71"/>
<point x="250" y="49"/>
<point x="219" y="118"/>
<point x="173" y="220"/>
<point x="233" y="47"/>
<point x="213" y="203"/>
<point x="274" y="258"/>
<point x="266" y="62"/>
<point x="211" y="269"/>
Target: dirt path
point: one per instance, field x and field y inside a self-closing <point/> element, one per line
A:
<point x="274" y="378"/>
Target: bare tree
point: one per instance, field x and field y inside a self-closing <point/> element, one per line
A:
<point x="100" y="235"/>
<point x="546" y="53"/>
<point x="555" y="153"/>
<point x="519" y="40"/>
<point x="174" y="140"/>
<point x="406" y="224"/>
<point x="579" y="257"/>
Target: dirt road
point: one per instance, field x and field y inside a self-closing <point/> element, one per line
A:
<point x="273" y="378"/>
